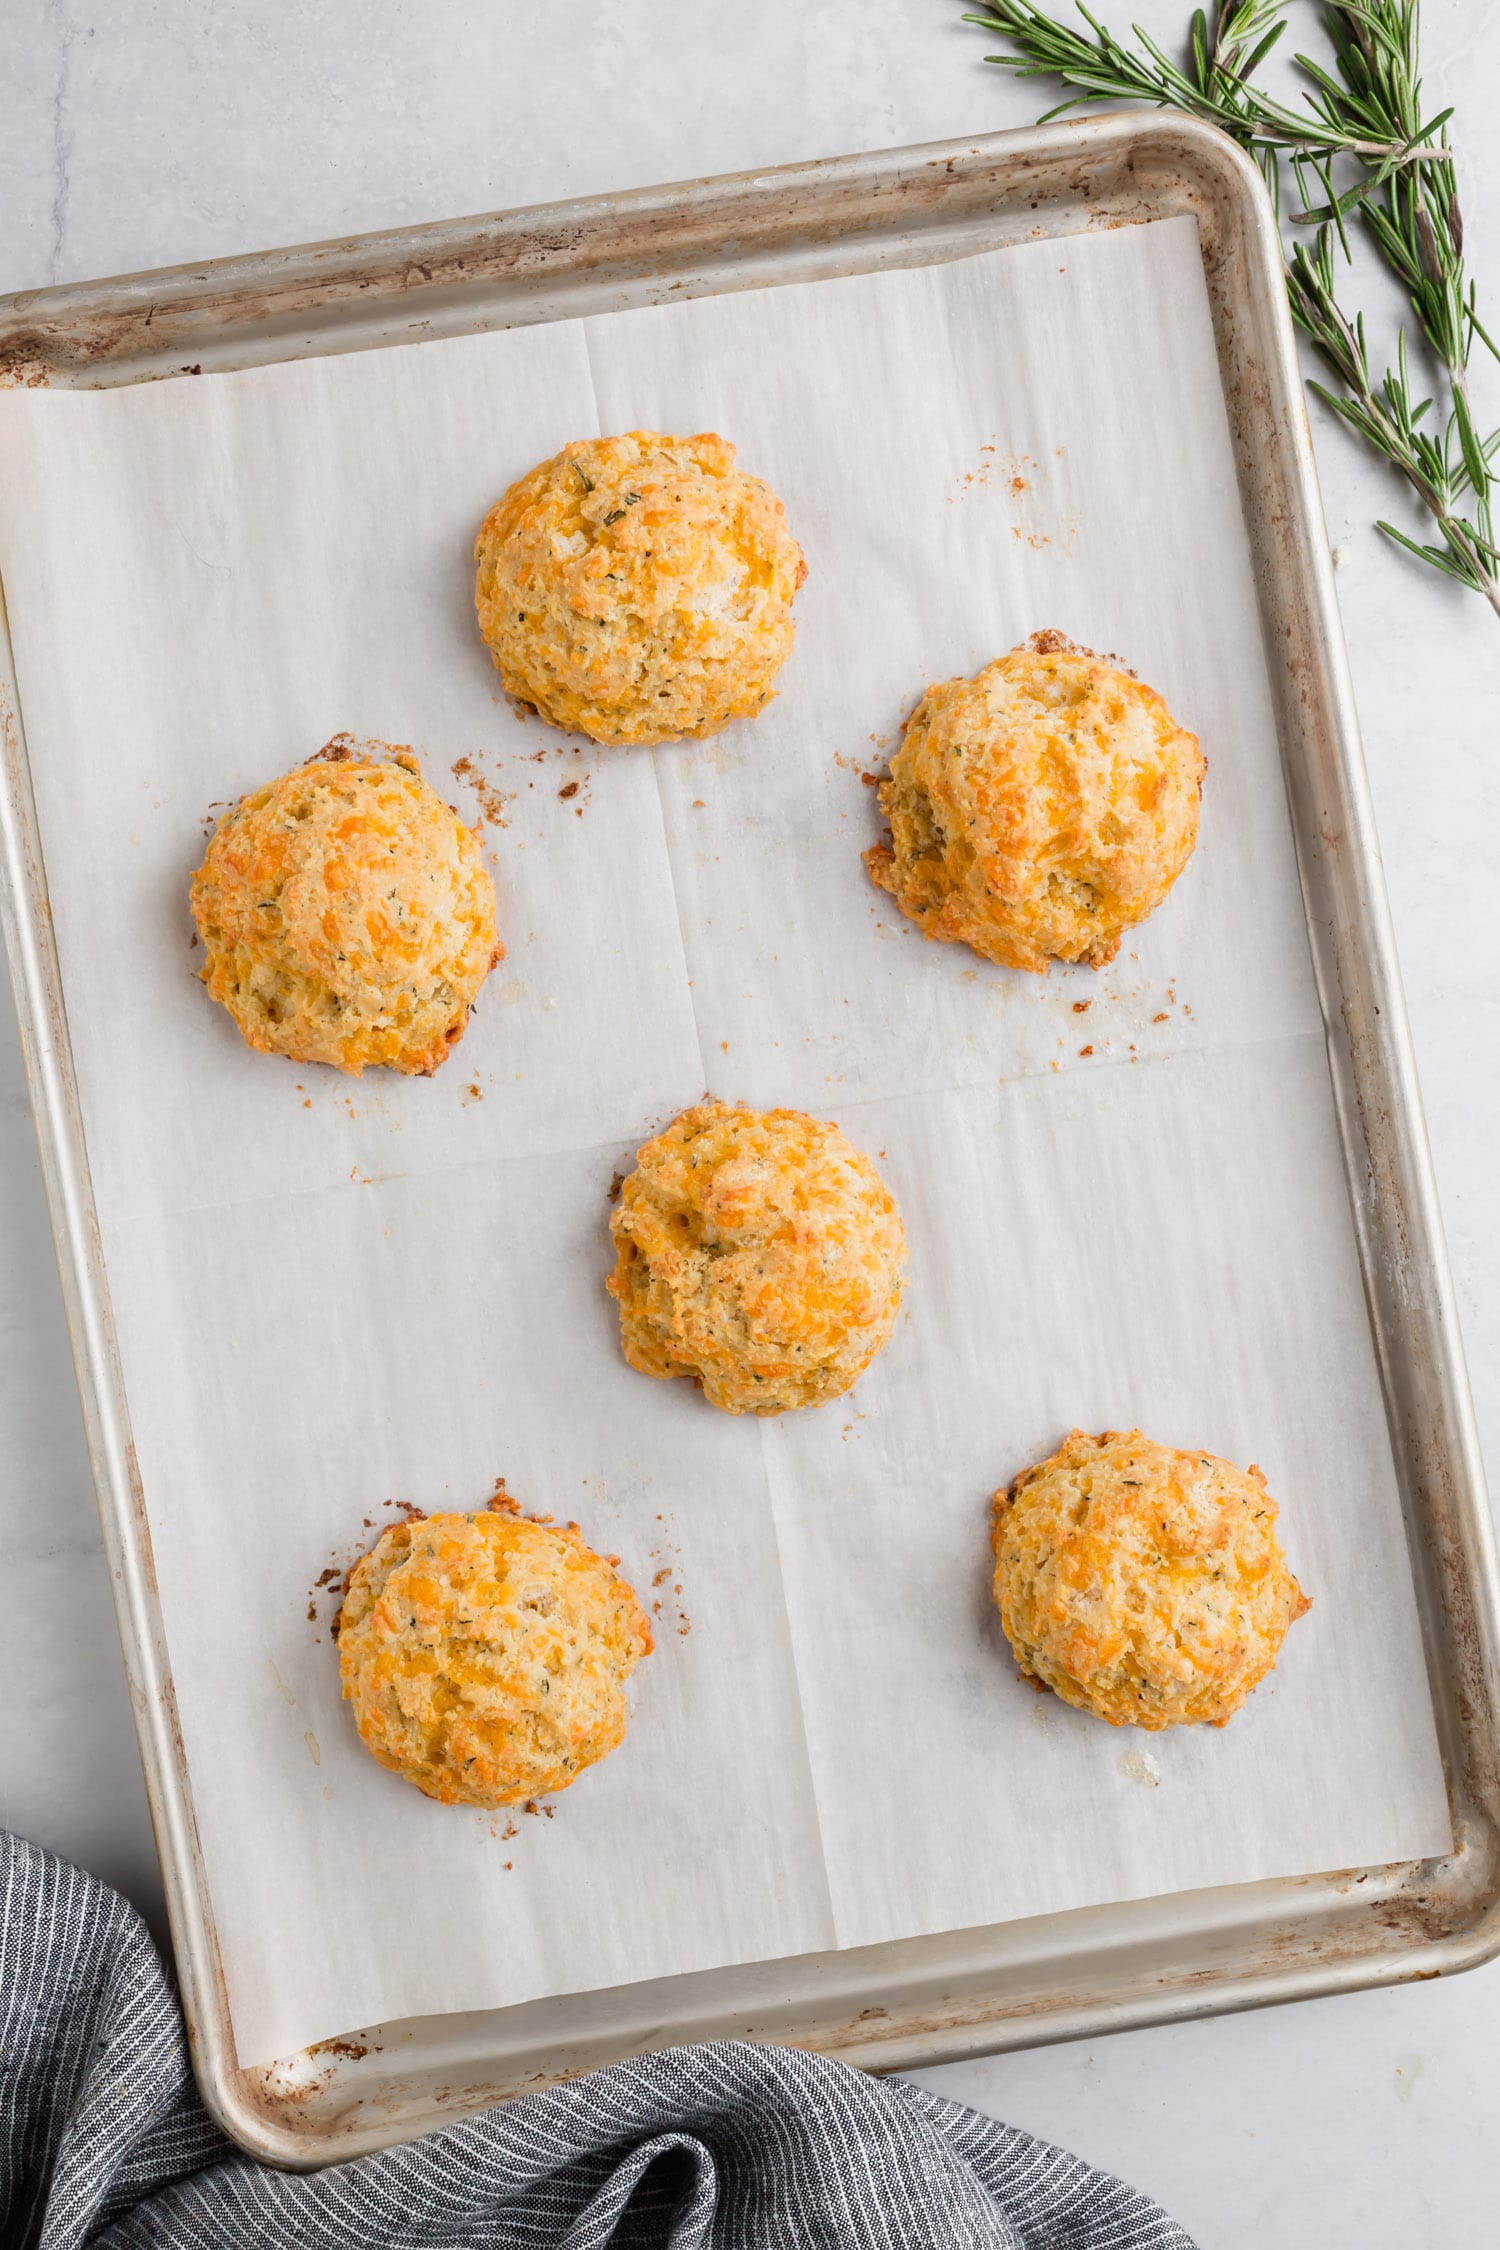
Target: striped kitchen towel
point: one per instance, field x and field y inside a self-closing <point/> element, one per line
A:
<point x="103" y="2140"/>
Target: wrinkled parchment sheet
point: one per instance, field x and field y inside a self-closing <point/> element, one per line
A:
<point x="1123" y="1190"/>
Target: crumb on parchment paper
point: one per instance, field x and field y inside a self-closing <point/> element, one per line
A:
<point x="491" y="799"/>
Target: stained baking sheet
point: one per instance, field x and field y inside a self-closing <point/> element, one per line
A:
<point x="394" y="1292"/>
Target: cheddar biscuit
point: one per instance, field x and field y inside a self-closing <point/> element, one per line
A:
<point x="1140" y="1583"/>
<point x="485" y="1656"/>
<point x="758" y="1252"/>
<point x="347" y="916"/>
<point x="1039" y="810"/>
<point x="639" y="588"/>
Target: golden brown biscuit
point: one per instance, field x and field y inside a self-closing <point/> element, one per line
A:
<point x="758" y="1252"/>
<point x="639" y="588"/>
<point x="1142" y="1584"/>
<point x="486" y="1655"/>
<point x="1040" y="809"/>
<point x="347" y="916"/>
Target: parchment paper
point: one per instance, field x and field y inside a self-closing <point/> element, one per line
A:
<point x="1123" y="1192"/>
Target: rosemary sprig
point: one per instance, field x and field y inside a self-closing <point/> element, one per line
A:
<point x="1444" y="474"/>
<point x="1215" y="85"/>
<point x="1414" y="221"/>
<point x="1365" y="110"/>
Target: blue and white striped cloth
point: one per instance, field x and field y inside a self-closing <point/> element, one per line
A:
<point x="103" y="2140"/>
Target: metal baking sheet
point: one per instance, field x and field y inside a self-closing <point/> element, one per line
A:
<point x="920" y="1999"/>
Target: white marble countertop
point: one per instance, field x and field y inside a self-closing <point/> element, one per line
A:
<point x="156" y="131"/>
